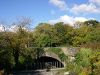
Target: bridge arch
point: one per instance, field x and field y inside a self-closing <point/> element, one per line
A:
<point x="45" y="62"/>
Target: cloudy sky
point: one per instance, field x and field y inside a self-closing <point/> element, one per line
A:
<point x="52" y="11"/>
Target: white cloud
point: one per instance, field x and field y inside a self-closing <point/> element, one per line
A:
<point x="85" y="8"/>
<point x="13" y="28"/>
<point x="59" y="3"/>
<point x="95" y="1"/>
<point x="1" y="28"/>
<point x="68" y="20"/>
<point x="81" y="19"/>
<point x="65" y="19"/>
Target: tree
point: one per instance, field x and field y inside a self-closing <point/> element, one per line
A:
<point x="63" y="32"/>
<point x="81" y="35"/>
<point x="92" y="38"/>
<point x="18" y="41"/>
<point x="45" y="35"/>
<point x="78" y="24"/>
<point x="91" y="23"/>
<point x="5" y="54"/>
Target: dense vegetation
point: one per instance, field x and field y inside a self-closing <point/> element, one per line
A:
<point x="87" y="62"/>
<point x="23" y="45"/>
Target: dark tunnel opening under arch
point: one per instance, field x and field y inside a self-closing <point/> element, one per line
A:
<point x="46" y="62"/>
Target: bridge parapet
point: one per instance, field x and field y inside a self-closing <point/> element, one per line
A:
<point x="68" y="51"/>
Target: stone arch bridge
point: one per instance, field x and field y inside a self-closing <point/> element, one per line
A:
<point x="50" y="60"/>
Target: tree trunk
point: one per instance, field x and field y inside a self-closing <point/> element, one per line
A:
<point x="16" y="58"/>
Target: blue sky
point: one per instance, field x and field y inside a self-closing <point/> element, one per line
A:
<point x="51" y="11"/>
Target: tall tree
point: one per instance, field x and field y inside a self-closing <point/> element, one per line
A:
<point x="63" y="32"/>
<point x="17" y="41"/>
<point x="45" y="35"/>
